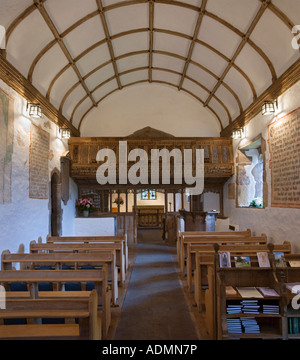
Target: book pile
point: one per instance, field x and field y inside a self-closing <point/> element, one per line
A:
<point x="234" y="309"/>
<point x="271" y="309"/>
<point x="294" y="325"/>
<point x="250" y="325"/>
<point x="250" y="306"/>
<point x="234" y="326"/>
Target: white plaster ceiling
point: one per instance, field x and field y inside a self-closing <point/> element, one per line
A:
<point x="224" y="53"/>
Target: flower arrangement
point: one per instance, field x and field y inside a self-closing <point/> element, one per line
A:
<point x="119" y="200"/>
<point x="257" y="203"/>
<point x="85" y="204"/>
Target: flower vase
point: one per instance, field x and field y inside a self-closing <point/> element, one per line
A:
<point x="85" y="213"/>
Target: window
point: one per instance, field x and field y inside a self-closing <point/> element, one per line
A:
<point x="148" y="194"/>
<point x="251" y="174"/>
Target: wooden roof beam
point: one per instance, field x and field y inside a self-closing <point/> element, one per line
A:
<point x="14" y="79"/>
<point x="109" y="42"/>
<point x="151" y="22"/>
<point x="265" y="4"/>
<point x="40" y="6"/>
<point x="195" y="36"/>
<point x="280" y="86"/>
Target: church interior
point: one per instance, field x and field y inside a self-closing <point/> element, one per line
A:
<point x="97" y="244"/>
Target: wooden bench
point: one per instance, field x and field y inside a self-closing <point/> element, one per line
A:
<point x="211" y="262"/>
<point x="83" y="248"/>
<point x="34" y="310"/>
<point x="193" y="244"/>
<point x="182" y="240"/>
<point x="92" y="239"/>
<point x="57" y="260"/>
<point x="60" y="277"/>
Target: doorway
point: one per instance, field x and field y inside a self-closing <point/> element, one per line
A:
<point x="56" y="211"/>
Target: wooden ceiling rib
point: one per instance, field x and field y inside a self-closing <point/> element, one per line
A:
<point x="218" y="80"/>
<point x="109" y="43"/>
<point x="151" y="25"/>
<point x="40" y="6"/>
<point x="245" y="39"/>
<point x="191" y="48"/>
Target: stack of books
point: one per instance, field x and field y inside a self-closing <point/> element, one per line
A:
<point x="234" y="326"/>
<point x="234" y="309"/>
<point x="271" y="309"/>
<point x="250" y="325"/>
<point x="250" y="306"/>
<point x="294" y="325"/>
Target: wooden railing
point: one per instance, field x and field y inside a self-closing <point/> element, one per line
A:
<point x="218" y="154"/>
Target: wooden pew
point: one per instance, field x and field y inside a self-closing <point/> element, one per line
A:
<point x="212" y="263"/>
<point x="82" y="308"/>
<point x="56" y="260"/>
<point x="81" y="248"/>
<point x="182" y="240"/>
<point x="92" y="239"/>
<point x="192" y="246"/>
<point x="59" y="277"/>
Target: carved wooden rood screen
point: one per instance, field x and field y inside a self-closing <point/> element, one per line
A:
<point x="218" y="168"/>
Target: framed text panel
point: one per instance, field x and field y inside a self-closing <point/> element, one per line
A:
<point x="284" y="144"/>
<point x="38" y="163"/>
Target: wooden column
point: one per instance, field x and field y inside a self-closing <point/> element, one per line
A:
<point x="174" y="201"/>
<point x="110" y="201"/>
<point x="166" y="202"/>
<point x="134" y="202"/>
<point x="126" y="199"/>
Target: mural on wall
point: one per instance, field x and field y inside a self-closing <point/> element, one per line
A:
<point x="284" y="143"/>
<point x="6" y="145"/>
<point x="38" y="163"/>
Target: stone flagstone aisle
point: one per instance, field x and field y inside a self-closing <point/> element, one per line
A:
<point x="154" y="307"/>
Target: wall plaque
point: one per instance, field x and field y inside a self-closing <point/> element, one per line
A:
<point x="284" y="144"/>
<point x="38" y="163"/>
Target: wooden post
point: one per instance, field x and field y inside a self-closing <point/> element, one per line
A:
<point x="110" y="200"/>
<point x="166" y="201"/>
<point x="174" y="201"/>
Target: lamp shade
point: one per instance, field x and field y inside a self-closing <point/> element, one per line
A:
<point x="238" y="133"/>
<point x="35" y="111"/>
<point x="65" y="133"/>
<point x="268" y="108"/>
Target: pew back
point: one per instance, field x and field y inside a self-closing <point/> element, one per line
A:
<point x="57" y="260"/>
<point x="34" y="310"/>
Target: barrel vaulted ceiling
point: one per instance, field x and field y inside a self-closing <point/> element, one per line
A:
<point x="223" y="53"/>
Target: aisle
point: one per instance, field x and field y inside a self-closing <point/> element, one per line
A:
<point x="154" y="307"/>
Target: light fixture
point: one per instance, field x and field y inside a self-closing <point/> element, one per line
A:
<point x="269" y="107"/>
<point x="239" y="133"/>
<point x="65" y="133"/>
<point x="35" y="110"/>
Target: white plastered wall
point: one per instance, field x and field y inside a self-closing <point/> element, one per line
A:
<point x="26" y="219"/>
<point x="158" y="106"/>
<point x="279" y="224"/>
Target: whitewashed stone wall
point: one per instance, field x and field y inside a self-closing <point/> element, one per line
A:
<point x="26" y="219"/>
<point x="279" y="224"/>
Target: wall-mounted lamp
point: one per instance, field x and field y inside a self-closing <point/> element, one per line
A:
<point x="269" y="107"/>
<point x="65" y="133"/>
<point x="35" y="110"/>
<point x="239" y="133"/>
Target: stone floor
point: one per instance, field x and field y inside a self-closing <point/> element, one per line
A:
<point x="154" y="303"/>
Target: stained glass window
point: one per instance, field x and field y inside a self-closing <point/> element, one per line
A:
<point x="148" y="194"/>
